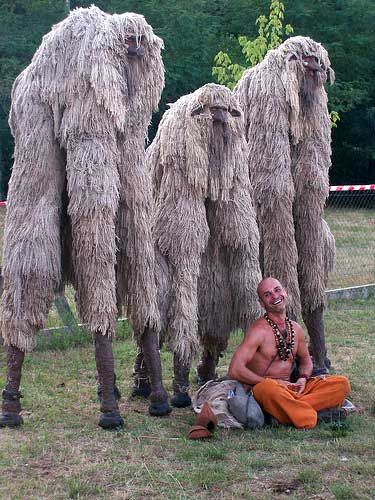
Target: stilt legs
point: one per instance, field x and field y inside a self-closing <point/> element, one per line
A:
<point x="315" y="327"/>
<point x="110" y="417"/>
<point x="159" y="398"/>
<point x="206" y="369"/>
<point x="142" y="384"/>
<point x="181" y="384"/>
<point x="11" y="406"/>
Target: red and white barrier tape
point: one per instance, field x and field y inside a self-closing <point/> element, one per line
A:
<point x="332" y="189"/>
<point x="364" y="187"/>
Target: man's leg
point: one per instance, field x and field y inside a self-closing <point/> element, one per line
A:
<point x="326" y="392"/>
<point x="281" y="403"/>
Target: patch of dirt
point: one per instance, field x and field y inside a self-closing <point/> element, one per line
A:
<point x="286" y="487"/>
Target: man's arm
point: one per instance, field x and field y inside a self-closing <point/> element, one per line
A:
<point x="243" y="355"/>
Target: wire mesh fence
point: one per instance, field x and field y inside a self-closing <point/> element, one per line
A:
<point x="350" y="214"/>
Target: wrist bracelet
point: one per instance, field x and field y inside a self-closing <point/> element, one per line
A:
<point x="303" y="375"/>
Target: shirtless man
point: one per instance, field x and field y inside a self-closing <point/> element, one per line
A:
<point x="264" y="360"/>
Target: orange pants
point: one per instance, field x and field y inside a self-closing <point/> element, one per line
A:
<point x="300" y="410"/>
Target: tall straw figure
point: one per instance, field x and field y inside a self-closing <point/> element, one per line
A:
<point x="80" y="198"/>
<point x="289" y="137"/>
<point x="205" y="231"/>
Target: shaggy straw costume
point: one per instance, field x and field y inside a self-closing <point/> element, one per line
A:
<point x="80" y="197"/>
<point x="205" y="229"/>
<point x="289" y="136"/>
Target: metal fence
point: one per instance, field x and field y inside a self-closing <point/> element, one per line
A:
<point x="350" y="214"/>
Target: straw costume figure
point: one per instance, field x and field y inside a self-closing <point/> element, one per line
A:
<point x="80" y="196"/>
<point x="205" y="232"/>
<point x="289" y="137"/>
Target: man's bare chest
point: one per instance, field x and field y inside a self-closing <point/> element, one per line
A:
<point x="270" y="348"/>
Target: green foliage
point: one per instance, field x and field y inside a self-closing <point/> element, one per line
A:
<point x="22" y="25"/>
<point x="271" y="31"/>
<point x="227" y="73"/>
<point x="308" y="476"/>
<point x="335" y="118"/>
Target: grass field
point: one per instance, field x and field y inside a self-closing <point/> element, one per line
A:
<point x="354" y="232"/>
<point x="60" y="452"/>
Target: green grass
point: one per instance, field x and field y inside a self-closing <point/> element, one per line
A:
<point x="61" y="453"/>
<point x="354" y="232"/>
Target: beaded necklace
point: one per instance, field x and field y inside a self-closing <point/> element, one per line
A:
<point x="285" y="345"/>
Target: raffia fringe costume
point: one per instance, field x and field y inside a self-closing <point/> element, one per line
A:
<point x="289" y="159"/>
<point x="80" y="199"/>
<point x="205" y="229"/>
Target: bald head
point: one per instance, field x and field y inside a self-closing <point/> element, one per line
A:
<point x="272" y="295"/>
<point x="268" y="283"/>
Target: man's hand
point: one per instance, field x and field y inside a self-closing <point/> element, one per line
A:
<point x="283" y="382"/>
<point x="299" y="386"/>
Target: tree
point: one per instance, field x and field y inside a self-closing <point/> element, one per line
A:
<point x="22" y="25"/>
<point x="270" y="35"/>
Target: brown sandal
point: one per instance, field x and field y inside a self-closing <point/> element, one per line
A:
<point x="205" y="424"/>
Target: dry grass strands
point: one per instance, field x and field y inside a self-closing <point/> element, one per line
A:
<point x="205" y="229"/>
<point x="80" y="199"/>
<point x="289" y="137"/>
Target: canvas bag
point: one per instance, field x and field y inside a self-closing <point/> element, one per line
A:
<point x="244" y="407"/>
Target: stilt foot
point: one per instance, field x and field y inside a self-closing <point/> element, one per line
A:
<point x="159" y="409"/>
<point x="181" y="400"/>
<point x="319" y="370"/>
<point x="111" y="420"/>
<point x="10" y="420"/>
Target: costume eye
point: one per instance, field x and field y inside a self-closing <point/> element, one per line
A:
<point x="197" y="110"/>
<point x="235" y="112"/>
<point x="134" y="41"/>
